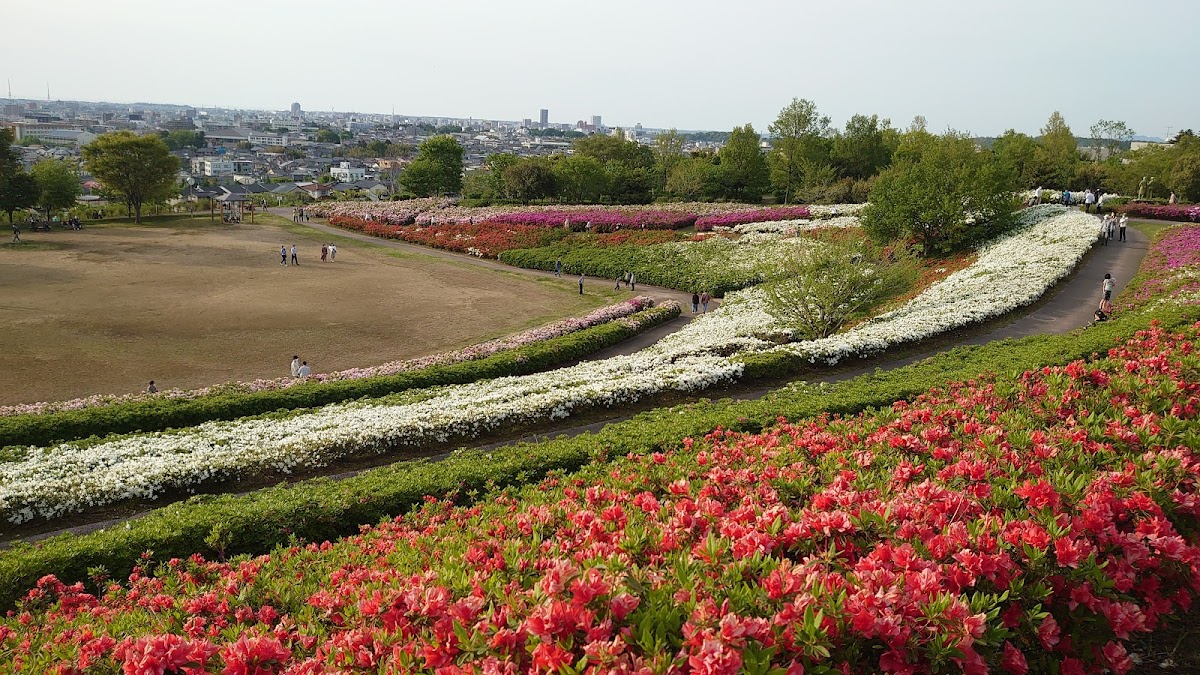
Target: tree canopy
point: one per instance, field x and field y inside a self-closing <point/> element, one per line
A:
<point x="18" y="189"/>
<point x="437" y="169"/>
<point x="138" y="170"/>
<point x="57" y="185"/>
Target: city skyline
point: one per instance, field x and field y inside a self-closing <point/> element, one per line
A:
<point x="979" y="69"/>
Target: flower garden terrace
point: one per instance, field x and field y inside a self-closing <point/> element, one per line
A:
<point x="1034" y="523"/>
<point x="738" y="340"/>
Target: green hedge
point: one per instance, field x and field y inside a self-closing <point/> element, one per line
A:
<point x="165" y="413"/>
<point x="322" y="509"/>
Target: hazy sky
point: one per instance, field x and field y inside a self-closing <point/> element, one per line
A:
<point x="977" y="66"/>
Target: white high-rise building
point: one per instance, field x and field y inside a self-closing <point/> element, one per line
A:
<point x="596" y="122"/>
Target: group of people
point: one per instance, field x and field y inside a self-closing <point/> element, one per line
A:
<point x="300" y="216"/>
<point x="700" y="300"/>
<point x="629" y="279"/>
<point x="328" y="254"/>
<point x="300" y="368"/>
<point x="1110" y="225"/>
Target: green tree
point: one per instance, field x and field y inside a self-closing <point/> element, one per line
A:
<point x="1058" y="155"/>
<point x="798" y="131"/>
<point x="1020" y="153"/>
<point x="949" y="198"/>
<point x="614" y="149"/>
<point x="1111" y="135"/>
<point x="496" y="164"/>
<point x="580" y="179"/>
<point x="530" y="179"/>
<point x="437" y="168"/>
<point x="58" y="185"/>
<point x="1185" y="177"/>
<point x="182" y="138"/>
<point x="693" y="179"/>
<point x="865" y="148"/>
<point x="821" y="287"/>
<point x="668" y="152"/>
<point x="743" y="172"/>
<point x="138" y="170"/>
<point x="629" y="184"/>
<point x="328" y="136"/>
<point x="18" y="190"/>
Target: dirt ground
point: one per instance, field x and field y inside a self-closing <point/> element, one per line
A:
<point x="189" y="304"/>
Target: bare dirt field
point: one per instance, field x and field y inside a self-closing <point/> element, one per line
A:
<point x="189" y="304"/>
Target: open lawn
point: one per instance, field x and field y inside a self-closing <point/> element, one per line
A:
<point x="188" y="304"/>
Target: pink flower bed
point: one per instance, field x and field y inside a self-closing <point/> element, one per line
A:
<point x="478" y="351"/>
<point x="1187" y="213"/>
<point x="600" y="220"/>
<point x="706" y="223"/>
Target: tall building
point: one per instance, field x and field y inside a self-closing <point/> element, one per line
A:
<point x="596" y="121"/>
<point x="296" y="111"/>
<point x="527" y="123"/>
<point x="544" y="118"/>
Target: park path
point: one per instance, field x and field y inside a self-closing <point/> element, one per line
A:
<point x="1067" y="306"/>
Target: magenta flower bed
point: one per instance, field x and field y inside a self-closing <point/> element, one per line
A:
<point x="707" y="223"/>
<point x="1187" y="213"/>
<point x="1163" y="272"/>
<point x="600" y="220"/>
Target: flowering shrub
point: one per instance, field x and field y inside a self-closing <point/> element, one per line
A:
<point x="1030" y="524"/>
<point x="706" y="223"/>
<point x="597" y="220"/>
<point x="484" y="240"/>
<point x="1180" y="212"/>
<point x="438" y="211"/>
<point x="1171" y="270"/>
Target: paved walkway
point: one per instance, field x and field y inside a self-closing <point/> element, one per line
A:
<point x="1067" y="306"/>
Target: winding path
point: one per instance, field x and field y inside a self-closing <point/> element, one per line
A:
<point x="1068" y="305"/>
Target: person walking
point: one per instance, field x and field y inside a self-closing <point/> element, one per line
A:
<point x="304" y="371"/>
<point x="558" y="267"/>
<point x="1066" y="197"/>
<point x="704" y="298"/>
<point x="295" y="260"/>
<point x="1104" y="227"/>
<point x="283" y="255"/>
<point x="324" y="252"/>
<point x="16" y="233"/>
<point x="295" y="365"/>
<point x="632" y="282"/>
<point x="332" y="251"/>
<point x="695" y="302"/>
<point x="152" y="389"/>
<point x="581" y="284"/>
<point x="1088" y="199"/>
<point x="1123" y="223"/>
<point x="617" y="286"/>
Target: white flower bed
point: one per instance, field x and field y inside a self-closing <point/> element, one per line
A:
<point x="1009" y="273"/>
<point x="790" y="227"/>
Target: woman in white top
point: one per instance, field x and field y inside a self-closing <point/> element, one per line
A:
<point x="1124" y="222"/>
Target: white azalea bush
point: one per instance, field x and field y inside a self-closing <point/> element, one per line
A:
<point x="1009" y="273"/>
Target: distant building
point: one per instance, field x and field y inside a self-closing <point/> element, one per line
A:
<point x="296" y="111"/>
<point x="212" y="166"/>
<point x="527" y="123"/>
<point x="544" y="118"/>
<point x="52" y="133"/>
<point x="596" y="121"/>
<point x="344" y="173"/>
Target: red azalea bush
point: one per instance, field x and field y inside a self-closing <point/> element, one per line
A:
<point x="600" y="220"/>
<point x="1188" y="213"/>
<point x="707" y="223"/>
<point x="482" y="239"/>
<point x="1029" y="524"/>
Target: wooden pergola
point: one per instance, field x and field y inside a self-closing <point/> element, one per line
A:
<point x="230" y="198"/>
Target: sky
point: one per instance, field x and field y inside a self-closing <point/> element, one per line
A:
<point x="977" y="66"/>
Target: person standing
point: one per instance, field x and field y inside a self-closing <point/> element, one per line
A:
<point x="295" y="260"/>
<point x="617" y="286"/>
<point x="704" y="298"/>
<point x="1104" y="231"/>
<point x="304" y="371"/>
<point x="16" y="233"/>
<point x="283" y="255"/>
<point x="295" y="365"/>
<point x="558" y="267"/>
<point x="1066" y="197"/>
<point x="695" y="302"/>
<point x="295" y="217"/>
<point x="581" y="284"/>
<point x="1173" y="199"/>
<point x="1088" y="199"/>
<point x="152" y="389"/>
<point x="1123" y="223"/>
<point x="332" y="251"/>
<point x="632" y="282"/>
<point x="324" y="252"/>
<point x="1037" y="195"/>
<point x="1107" y="288"/>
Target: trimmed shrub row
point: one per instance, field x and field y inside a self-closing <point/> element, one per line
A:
<point x="165" y="413"/>
<point x="321" y="509"/>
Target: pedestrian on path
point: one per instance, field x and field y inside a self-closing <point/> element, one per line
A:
<point x="295" y="216"/>
<point x="332" y="251"/>
<point x="304" y="370"/>
<point x="695" y="302"/>
<point x="1107" y="288"/>
<point x="632" y="282"/>
<point x="1088" y="200"/>
<point x="617" y="287"/>
<point x="295" y="260"/>
<point x="558" y="267"/>
<point x="704" y="298"/>
<point x="1124" y="222"/>
<point x="1066" y="197"/>
<point x="324" y="252"/>
<point x="295" y="365"/>
<point x="581" y="284"/>
<point x="16" y="233"/>
<point x="283" y="255"/>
